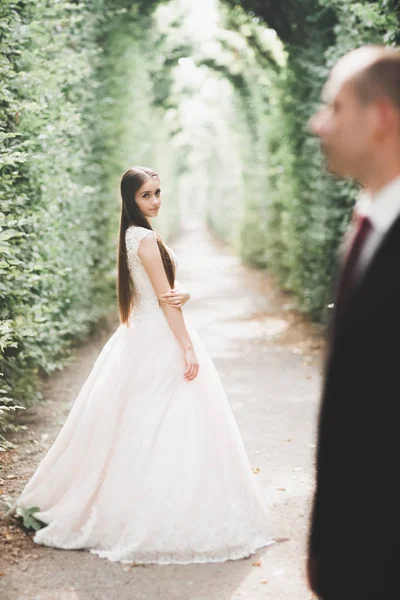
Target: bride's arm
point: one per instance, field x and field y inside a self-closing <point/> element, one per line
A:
<point x="150" y="256"/>
<point x="176" y="297"/>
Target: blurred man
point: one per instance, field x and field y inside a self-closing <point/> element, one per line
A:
<point x="354" y="550"/>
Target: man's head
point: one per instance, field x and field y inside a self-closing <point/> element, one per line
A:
<point x="359" y="124"/>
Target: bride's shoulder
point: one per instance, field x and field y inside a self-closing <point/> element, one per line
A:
<point x="136" y="230"/>
<point x="135" y="234"/>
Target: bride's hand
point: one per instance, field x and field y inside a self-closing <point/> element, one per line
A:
<point x="192" y="365"/>
<point x="176" y="298"/>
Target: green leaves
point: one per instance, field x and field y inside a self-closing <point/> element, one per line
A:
<point x="28" y="519"/>
<point x="296" y="225"/>
<point x="56" y="255"/>
<point x="77" y="107"/>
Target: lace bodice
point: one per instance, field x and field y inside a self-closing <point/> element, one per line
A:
<point x="146" y="300"/>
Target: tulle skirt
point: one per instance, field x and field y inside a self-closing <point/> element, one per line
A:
<point x="148" y="467"/>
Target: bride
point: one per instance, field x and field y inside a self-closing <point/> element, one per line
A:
<point x="149" y="466"/>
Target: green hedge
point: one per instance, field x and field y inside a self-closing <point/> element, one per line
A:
<point x="55" y="264"/>
<point x="244" y="64"/>
<point x="85" y="89"/>
<point x="306" y="211"/>
<point x="310" y="209"/>
<point x="134" y="96"/>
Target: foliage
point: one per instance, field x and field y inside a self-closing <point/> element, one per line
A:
<point x="58" y="149"/>
<point x="222" y="93"/>
<point x="292" y="19"/>
<point x="314" y="209"/>
<point x="50" y="230"/>
<point x="29" y="521"/>
<point x="308" y="211"/>
<point x="135" y="97"/>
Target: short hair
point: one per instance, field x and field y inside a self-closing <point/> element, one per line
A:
<point x="380" y="78"/>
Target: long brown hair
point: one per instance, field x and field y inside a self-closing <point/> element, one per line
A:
<point x="132" y="180"/>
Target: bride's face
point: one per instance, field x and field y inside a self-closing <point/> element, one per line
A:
<point x="148" y="198"/>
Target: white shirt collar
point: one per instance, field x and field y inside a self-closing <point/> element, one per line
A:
<point x="382" y="207"/>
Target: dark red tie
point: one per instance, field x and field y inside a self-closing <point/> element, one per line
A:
<point x="364" y="228"/>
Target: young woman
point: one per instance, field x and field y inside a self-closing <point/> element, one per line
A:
<point x="149" y="466"/>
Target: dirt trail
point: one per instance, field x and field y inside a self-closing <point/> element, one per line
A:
<point x="268" y="357"/>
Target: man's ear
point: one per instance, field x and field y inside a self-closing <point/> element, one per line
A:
<point x="387" y="117"/>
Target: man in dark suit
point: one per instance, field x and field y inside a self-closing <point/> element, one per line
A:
<point x="354" y="547"/>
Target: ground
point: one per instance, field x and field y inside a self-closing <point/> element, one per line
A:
<point x="269" y="360"/>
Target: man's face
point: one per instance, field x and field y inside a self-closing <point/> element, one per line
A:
<point x="345" y="129"/>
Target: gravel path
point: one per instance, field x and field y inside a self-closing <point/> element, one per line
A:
<point x="268" y="357"/>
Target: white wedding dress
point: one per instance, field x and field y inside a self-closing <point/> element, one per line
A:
<point x="148" y="467"/>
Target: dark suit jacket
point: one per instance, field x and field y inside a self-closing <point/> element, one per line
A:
<point x="355" y="529"/>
